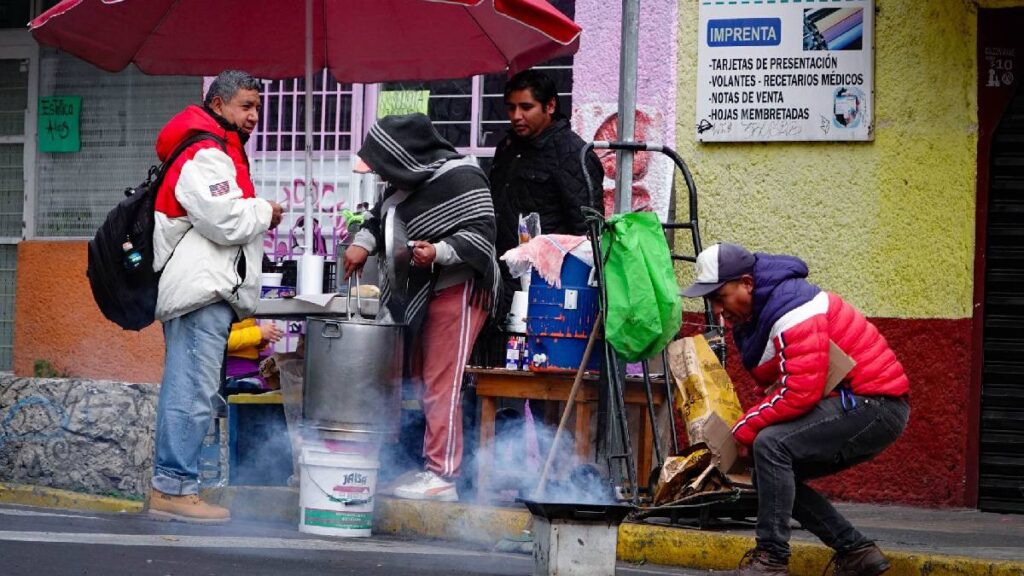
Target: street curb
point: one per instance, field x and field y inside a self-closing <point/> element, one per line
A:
<point x="641" y="543"/>
<point x="650" y="544"/>
<point x="484" y="525"/>
<point x="45" y="497"/>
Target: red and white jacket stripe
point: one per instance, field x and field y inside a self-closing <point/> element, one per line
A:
<point x="208" y="220"/>
<point x="796" y="356"/>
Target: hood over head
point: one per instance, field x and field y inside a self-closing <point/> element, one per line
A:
<point x="191" y="120"/>
<point x="773" y="272"/>
<point x="780" y="285"/>
<point x="406" y="150"/>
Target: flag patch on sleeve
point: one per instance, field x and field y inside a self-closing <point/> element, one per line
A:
<point x="220" y="188"/>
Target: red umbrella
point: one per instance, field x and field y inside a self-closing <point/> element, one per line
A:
<point x="357" y="40"/>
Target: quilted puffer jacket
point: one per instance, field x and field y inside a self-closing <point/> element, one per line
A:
<point x="787" y="342"/>
<point x="543" y="175"/>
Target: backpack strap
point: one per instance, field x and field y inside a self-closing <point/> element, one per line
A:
<point x="157" y="176"/>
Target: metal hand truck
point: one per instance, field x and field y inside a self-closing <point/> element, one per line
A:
<point x="614" y="373"/>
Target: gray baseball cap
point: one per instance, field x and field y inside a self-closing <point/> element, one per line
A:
<point x="718" y="264"/>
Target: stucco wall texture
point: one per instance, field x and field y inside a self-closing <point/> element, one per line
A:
<point x="56" y="319"/>
<point x="889" y="224"/>
<point x="596" y="64"/>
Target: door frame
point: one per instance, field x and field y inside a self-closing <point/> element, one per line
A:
<point x="19" y="45"/>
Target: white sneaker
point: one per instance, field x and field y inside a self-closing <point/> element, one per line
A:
<point x="428" y="486"/>
<point x="402" y="479"/>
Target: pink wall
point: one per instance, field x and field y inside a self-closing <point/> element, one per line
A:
<point x="596" y="88"/>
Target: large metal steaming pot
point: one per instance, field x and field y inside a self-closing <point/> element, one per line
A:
<point x="353" y="377"/>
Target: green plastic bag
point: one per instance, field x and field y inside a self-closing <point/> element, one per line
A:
<point x="644" y="307"/>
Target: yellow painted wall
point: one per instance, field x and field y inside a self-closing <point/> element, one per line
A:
<point x="888" y="224"/>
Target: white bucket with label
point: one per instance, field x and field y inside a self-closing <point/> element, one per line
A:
<point x="336" y="490"/>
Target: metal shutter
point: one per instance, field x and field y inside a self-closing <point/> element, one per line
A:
<point x="1001" y="474"/>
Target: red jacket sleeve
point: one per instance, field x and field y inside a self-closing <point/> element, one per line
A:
<point x="801" y="362"/>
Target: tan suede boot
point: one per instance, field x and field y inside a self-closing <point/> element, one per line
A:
<point x="186" y="508"/>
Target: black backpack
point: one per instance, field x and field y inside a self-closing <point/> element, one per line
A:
<point x="128" y="297"/>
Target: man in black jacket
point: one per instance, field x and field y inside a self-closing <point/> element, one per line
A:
<point x="537" y="169"/>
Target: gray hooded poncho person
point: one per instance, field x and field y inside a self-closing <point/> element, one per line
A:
<point x="438" y="196"/>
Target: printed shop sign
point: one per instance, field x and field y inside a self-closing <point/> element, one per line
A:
<point x="785" y="70"/>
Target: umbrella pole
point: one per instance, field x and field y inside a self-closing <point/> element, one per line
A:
<point x="627" y="104"/>
<point x="307" y="221"/>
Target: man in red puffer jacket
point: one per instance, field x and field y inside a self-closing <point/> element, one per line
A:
<point x="782" y="325"/>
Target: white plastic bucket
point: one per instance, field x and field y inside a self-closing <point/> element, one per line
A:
<point x="336" y="491"/>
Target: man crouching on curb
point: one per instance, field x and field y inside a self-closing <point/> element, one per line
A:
<point x="782" y="325"/>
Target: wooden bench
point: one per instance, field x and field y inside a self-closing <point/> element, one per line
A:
<point x="494" y="383"/>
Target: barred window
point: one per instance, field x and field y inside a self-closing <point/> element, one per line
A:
<point x="282" y="127"/>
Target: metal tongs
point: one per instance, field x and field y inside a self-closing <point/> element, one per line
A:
<point x="359" y="299"/>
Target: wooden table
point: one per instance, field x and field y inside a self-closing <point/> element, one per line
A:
<point x="494" y="383"/>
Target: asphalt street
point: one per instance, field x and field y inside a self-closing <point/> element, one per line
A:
<point x="36" y="541"/>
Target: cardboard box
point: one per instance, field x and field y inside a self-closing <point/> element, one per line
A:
<point x="839" y="366"/>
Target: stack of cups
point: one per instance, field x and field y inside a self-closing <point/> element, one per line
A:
<point x="516" y="321"/>
<point x="311" y="274"/>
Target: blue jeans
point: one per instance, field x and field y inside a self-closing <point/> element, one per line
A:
<point x="824" y="441"/>
<point x="195" y="345"/>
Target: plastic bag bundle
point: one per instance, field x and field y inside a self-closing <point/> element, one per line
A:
<point x="644" y="307"/>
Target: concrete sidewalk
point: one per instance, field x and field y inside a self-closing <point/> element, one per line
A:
<point x="917" y="541"/>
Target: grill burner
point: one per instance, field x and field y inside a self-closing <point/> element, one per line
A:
<point x="611" y="513"/>
<point x="575" y="539"/>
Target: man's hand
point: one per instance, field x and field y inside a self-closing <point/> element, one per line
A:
<point x="355" y="258"/>
<point x="276" y="212"/>
<point x="269" y="333"/>
<point x="423" y="253"/>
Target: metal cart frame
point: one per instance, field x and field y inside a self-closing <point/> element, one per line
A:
<point x="615" y="372"/>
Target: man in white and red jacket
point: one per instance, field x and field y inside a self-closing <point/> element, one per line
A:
<point x="208" y="246"/>
<point x="782" y="325"/>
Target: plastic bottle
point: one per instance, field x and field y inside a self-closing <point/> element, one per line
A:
<point x="512" y="353"/>
<point x="132" y="257"/>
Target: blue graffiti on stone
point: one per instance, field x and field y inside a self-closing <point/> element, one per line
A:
<point x="48" y="420"/>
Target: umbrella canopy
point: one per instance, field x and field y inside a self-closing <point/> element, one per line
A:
<point x="357" y="40"/>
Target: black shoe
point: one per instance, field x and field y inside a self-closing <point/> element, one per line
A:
<point x="864" y="561"/>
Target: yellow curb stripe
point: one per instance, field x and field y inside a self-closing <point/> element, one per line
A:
<point x="45" y="497"/>
<point x="479" y="524"/>
<point x="718" y="551"/>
